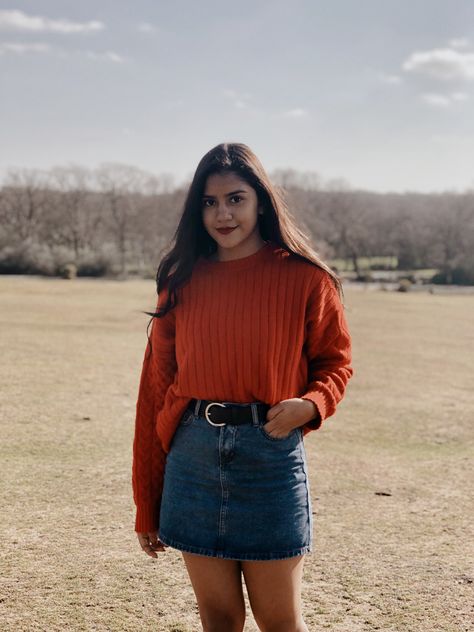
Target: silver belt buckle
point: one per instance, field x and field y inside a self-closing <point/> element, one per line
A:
<point x="206" y="413"/>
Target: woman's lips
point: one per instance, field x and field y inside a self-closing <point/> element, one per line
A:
<point x="225" y="231"/>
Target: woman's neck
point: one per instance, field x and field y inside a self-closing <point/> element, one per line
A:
<point x="223" y="254"/>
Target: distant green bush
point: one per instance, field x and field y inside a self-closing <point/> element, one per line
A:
<point x="93" y="269"/>
<point x="459" y="276"/>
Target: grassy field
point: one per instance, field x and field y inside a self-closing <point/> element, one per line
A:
<point x="391" y="472"/>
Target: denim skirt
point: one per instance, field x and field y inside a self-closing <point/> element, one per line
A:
<point x="236" y="492"/>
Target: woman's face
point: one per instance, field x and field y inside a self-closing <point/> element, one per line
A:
<point x="228" y="201"/>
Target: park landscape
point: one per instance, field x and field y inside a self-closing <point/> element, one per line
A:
<point x="390" y="473"/>
<point x="359" y="116"/>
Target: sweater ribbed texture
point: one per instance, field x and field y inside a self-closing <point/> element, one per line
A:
<point x="265" y="327"/>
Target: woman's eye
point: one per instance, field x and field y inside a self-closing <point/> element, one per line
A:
<point x="234" y="197"/>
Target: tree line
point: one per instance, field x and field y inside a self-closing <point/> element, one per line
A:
<point x="118" y="219"/>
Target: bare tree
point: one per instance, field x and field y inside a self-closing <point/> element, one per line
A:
<point x="24" y="198"/>
<point x="120" y="186"/>
<point x="121" y="211"/>
<point x="73" y="220"/>
<point x="453" y="232"/>
<point x="344" y="219"/>
<point x="292" y="179"/>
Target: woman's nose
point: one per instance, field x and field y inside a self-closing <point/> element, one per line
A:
<point x="223" y="211"/>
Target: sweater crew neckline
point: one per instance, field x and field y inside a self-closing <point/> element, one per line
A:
<point x="242" y="262"/>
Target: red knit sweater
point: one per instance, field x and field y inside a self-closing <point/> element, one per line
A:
<point x="265" y="327"/>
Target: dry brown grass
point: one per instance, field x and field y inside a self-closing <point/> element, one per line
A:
<point x="71" y="355"/>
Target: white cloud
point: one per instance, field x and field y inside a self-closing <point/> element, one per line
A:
<point x="240" y="101"/>
<point x="146" y="27"/>
<point x="443" y="100"/>
<point x="20" y="21"/>
<point x="441" y="63"/>
<point x="459" y="96"/>
<point x="391" y="79"/>
<point x="459" y="42"/>
<point x="107" y="56"/>
<point x="295" y="113"/>
<point x="20" y="48"/>
<point x="436" y="100"/>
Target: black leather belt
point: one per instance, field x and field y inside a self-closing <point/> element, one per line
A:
<point x="222" y="413"/>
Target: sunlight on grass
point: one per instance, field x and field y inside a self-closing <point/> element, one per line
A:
<point x="390" y="473"/>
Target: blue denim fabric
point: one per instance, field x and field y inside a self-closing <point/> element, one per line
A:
<point x="236" y="492"/>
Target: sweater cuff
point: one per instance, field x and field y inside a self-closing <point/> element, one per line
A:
<point x="146" y="517"/>
<point x="319" y="401"/>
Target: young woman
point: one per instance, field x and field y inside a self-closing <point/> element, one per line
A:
<point x="249" y="351"/>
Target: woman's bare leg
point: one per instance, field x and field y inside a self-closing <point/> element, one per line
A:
<point x="217" y="584"/>
<point x="274" y="591"/>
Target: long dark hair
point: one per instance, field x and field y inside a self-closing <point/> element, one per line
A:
<point x="191" y="240"/>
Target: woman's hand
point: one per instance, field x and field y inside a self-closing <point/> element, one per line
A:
<point x="288" y="414"/>
<point x="150" y="543"/>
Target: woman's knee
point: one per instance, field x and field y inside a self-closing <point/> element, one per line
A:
<point x="218" y="619"/>
<point x="294" y="624"/>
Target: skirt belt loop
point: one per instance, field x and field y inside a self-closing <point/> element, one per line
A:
<point x="254" y="414"/>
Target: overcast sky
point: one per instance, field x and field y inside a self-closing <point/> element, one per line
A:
<point x="379" y="92"/>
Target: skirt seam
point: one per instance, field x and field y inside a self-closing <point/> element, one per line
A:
<point x="274" y="555"/>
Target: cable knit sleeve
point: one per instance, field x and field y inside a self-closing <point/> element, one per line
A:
<point x="328" y="348"/>
<point x="157" y="374"/>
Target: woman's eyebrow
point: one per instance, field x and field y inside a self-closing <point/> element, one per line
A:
<point x="231" y="193"/>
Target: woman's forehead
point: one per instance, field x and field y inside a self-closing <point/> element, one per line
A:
<point x="219" y="182"/>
